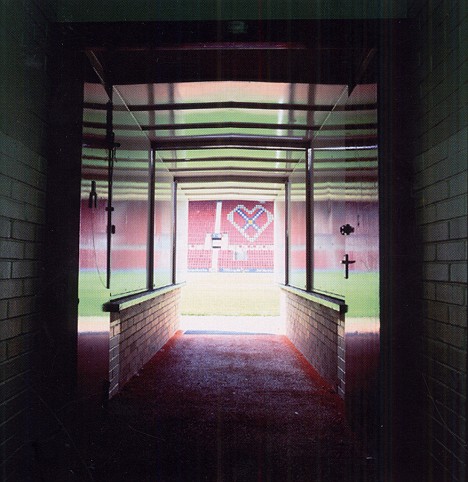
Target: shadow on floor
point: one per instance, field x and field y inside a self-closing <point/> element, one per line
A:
<point x="215" y="408"/>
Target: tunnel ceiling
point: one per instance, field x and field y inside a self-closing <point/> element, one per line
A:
<point x="231" y="107"/>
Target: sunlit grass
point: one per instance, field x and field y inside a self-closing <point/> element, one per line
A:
<point x="360" y="291"/>
<point x="231" y="294"/>
<point x="92" y="292"/>
<point x="237" y="294"/>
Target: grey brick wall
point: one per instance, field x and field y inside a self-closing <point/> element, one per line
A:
<point x="138" y="332"/>
<point x="317" y="331"/>
<point x="440" y="190"/>
<point x="24" y="87"/>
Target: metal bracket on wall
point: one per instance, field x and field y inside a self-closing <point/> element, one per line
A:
<point x="92" y="200"/>
<point x="346" y="229"/>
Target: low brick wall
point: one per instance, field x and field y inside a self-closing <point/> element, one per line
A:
<point x="317" y="331"/>
<point x="138" y="332"/>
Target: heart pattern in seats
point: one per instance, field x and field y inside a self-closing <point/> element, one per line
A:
<point x="250" y="222"/>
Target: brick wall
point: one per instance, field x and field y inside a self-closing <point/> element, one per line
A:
<point x="317" y="331"/>
<point x="440" y="167"/>
<point x="138" y="332"/>
<point x="24" y="87"/>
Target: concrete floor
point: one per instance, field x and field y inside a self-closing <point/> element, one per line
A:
<point x="273" y="325"/>
<point x="211" y="408"/>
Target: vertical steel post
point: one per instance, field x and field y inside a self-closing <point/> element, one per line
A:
<point x="110" y="175"/>
<point x="287" y="218"/>
<point x="309" y="221"/>
<point x="151" y="212"/>
<point x="174" y="232"/>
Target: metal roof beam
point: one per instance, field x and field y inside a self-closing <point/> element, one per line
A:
<point x="230" y="188"/>
<point x="232" y="125"/>
<point x="236" y="141"/>
<point x="241" y="141"/>
<point x="262" y="160"/>
<point x="228" y="168"/>
<point x="266" y="160"/>
<point x="236" y="105"/>
<point x="232" y="178"/>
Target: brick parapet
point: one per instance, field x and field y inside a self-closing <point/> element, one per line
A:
<point x="137" y="333"/>
<point x="318" y="333"/>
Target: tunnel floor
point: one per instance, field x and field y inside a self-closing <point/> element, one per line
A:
<point x="219" y="407"/>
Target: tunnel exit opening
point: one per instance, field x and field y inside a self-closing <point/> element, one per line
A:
<point x="230" y="280"/>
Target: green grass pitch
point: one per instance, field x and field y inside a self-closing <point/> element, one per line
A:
<point x="235" y="294"/>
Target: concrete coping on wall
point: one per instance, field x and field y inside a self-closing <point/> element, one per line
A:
<point x="125" y="302"/>
<point x="336" y="304"/>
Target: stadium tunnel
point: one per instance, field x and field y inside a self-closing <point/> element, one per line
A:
<point x="299" y="142"/>
<point x="220" y="126"/>
<point x="315" y="118"/>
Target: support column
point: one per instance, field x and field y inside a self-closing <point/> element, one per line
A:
<point x="151" y="213"/>
<point x="401" y="381"/>
<point x="60" y="322"/>
<point x="174" y="232"/>
<point x="309" y="222"/>
<point x="287" y="226"/>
